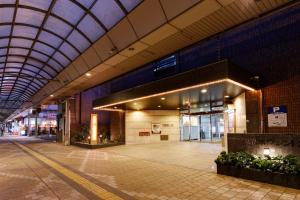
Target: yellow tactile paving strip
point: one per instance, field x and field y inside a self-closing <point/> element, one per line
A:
<point x="83" y="182"/>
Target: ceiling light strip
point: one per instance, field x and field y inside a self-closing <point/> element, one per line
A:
<point x="174" y="91"/>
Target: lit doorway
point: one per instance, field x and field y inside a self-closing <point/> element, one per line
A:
<point x="204" y="127"/>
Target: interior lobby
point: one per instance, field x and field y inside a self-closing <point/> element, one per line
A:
<point x="150" y="99"/>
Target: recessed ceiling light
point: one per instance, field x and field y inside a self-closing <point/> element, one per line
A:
<point x="51" y="95"/>
<point x="88" y="74"/>
<point x="163" y="98"/>
<point x="159" y="106"/>
<point x="203" y="91"/>
<point x="115" y="107"/>
<point x="226" y="96"/>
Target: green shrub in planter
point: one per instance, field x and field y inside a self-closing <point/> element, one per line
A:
<point x="286" y="165"/>
<point x="78" y="137"/>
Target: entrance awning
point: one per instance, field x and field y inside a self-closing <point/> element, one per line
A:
<point x="203" y="84"/>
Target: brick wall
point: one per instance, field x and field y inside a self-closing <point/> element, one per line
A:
<point x="286" y="93"/>
<point x="253" y="111"/>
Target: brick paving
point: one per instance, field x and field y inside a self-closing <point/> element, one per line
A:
<point x="165" y="171"/>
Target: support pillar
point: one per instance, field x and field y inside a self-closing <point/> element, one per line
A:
<point x="67" y="123"/>
<point x="36" y="125"/>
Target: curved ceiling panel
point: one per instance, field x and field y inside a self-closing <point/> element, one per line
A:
<point x="39" y="38"/>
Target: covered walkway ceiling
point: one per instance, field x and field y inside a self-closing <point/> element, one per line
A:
<point x="47" y="46"/>
<point x="39" y="38"/>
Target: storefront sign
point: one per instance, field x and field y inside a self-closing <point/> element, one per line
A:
<point x="277" y="116"/>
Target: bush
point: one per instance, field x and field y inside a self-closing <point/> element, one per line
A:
<point x="78" y="137"/>
<point x="287" y="165"/>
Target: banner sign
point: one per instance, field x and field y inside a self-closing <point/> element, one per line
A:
<point x="277" y="116"/>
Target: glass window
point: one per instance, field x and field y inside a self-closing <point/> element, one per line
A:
<point x="29" y="16"/>
<point x="19" y="65"/>
<point x="17" y="42"/>
<point x="18" y="51"/>
<point x="3" y="42"/>
<point x="108" y="12"/>
<point x="130" y="4"/>
<point x="3" y="51"/>
<point x="49" y="70"/>
<point x="39" y="56"/>
<point x="78" y="41"/>
<point x="7" y="1"/>
<point x="91" y="28"/>
<point x="50" y="39"/>
<point x="6" y="14"/>
<point x="44" y="48"/>
<point x="44" y="74"/>
<point x="15" y="59"/>
<point x="4" y="30"/>
<point x="35" y="62"/>
<point x="25" y="31"/>
<point x="61" y="59"/>
<point x="31" y="68"/>
<point x="85" y="3"/>
<point x="8" y="69"/>
<point x="57" y="26"/>
<point x="69" y="51"/>
<point x="68" y="11"/>
<point x="2" y="58"/>
<point x="30" y="73"/>
<point x="55" y="65"/>
<point x="42" y="4"/>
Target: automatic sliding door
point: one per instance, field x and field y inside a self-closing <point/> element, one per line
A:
<point x="205" y="128"/>
<point x="217" y="126"/>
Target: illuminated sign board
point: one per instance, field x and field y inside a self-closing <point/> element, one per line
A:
<point x="94" y="128"/>
<point x="166" y="65"/>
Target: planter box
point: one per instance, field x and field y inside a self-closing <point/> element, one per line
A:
<point x="96" y="146"/>
<point x="286" y="180"/>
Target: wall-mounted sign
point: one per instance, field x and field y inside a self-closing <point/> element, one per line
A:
<point x="164" y="137"/>
<point x="165" y="66"/>
<point x="167" y="125"/>
<point x="156" y="128"/>
<point x="277" y="116"/>
<point x="144" y="133"/>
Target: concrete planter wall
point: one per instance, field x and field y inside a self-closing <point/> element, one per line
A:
<point x="286" y="180"/>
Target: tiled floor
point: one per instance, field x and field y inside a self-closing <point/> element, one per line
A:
<point x="156" y="171"/>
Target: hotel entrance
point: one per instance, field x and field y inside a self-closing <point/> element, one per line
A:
<point x="204" y="127"/>
<point x="198" y="105"/>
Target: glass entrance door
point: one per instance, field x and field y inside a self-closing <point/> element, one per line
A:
<point x="217" y="126"/>
<point x="206" y="128"/>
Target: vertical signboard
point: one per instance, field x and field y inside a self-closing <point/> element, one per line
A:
<point x="94" y="128"/>
<point x="277" y="116"/>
